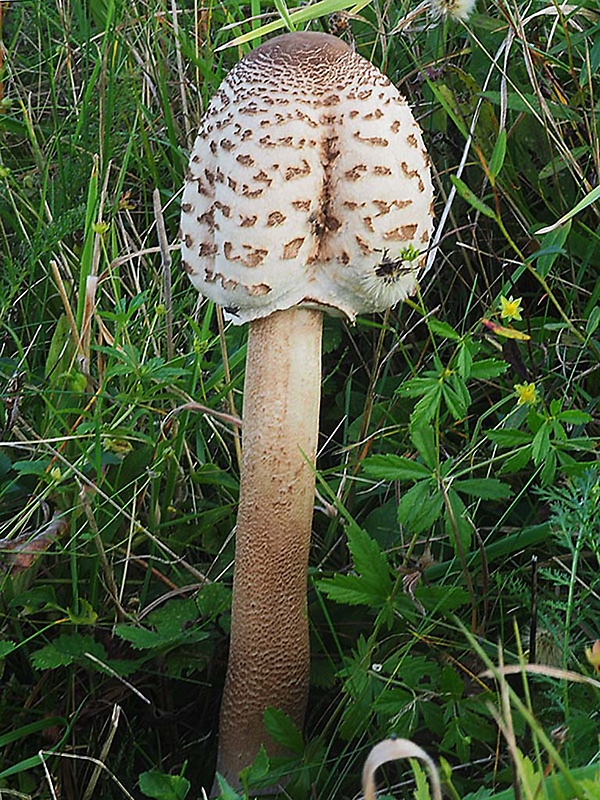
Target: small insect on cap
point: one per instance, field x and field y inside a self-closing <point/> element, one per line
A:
<point x="309" y="185"/>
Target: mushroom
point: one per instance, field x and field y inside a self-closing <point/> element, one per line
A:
<point x="308" y="191"/>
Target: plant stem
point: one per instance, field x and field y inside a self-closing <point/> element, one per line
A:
<point x="269" y="650"/>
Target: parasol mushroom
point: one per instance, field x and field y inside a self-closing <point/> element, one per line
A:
<point x="308" y="191"/>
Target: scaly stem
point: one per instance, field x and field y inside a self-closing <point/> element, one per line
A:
<point x="269" y="649"/>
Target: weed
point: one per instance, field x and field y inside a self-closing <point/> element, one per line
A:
<point x="459" y="432"/>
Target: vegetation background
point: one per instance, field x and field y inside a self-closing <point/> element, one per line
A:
<point x="458" y="521"/>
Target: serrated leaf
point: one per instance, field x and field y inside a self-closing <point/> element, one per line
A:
<point x="174" y="615"/>
<point x="370" y="563"/>
<point x="457" y="522"/>
<point x="67" y="649"/>
<point x="140" y="638"/>
<point x="443" y="329"/>
<point x="416" y="387"/>
<point x="373" y="585"/>
<point x="464" y="362"/>
<point x="391" y="467"/>
<point x="37" y="467"/>
<point x="226" y="791"/>
<point x="454" y="402"/>
<point x="442" y="598"/>
<point x="488" y="368"/>
<point x="172" y="625"/>
<point x="574" y="417"/>
<point x="256" y="772"/>
<point x="426" y="408"/>
<point x="471" y="198"/>
<point x="517" y="461"/>
<point x="6" y="647"/>
<point x="283" y="730"/>
<point x="420" y="507"/>
<point x="159" y="786"/>
<point x="484" y="488"/>
<point x="509" y="438"/>
<point x="549" y="469"/>
<point x="350" y="590"/>
<point x="423" y="438"/>
<point x="144" y="639"/>
<point x="540" y="444"/>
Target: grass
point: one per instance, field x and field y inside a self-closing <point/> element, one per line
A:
<point x="439" y="481"/>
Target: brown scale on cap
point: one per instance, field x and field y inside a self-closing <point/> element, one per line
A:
<point x="303" y="116"/>
<point x="308" y="191"/>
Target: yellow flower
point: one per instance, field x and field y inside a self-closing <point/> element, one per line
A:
<point x="593" y="655"/>
<point x="526" y="394"/>
<point x="511" y="308"/>
<point x="101" y="227"/>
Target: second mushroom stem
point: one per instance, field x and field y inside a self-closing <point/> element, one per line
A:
<point x="269" y="650"/>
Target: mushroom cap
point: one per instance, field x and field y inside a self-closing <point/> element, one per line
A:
<point x="308" y="185"/>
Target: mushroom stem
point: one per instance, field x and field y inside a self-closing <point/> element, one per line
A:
<point x="269" y="650"/>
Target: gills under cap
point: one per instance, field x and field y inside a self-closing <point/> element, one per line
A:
<point x="308" y="185"/>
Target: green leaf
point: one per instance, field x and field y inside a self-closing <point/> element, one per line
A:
<point x="256" y="772"/>
<point x="298" y="17"/>
<point x="420" y="507"/>
<point x="484" y="488"/>
<point x="574" y="417"/>
<point x="588" y="200"/>
<point x="549" y="469"/>
<point x="464" y="361"/>
<point x="391" y="467"/>
<point x="370" y="563"/>
<point x="6" y="647"/>
<point x="227" y="792"/>
<point x="427" y="406"/>
<point x="283" y="730"/>
<point x="498" y="154"/>
<point x="60" y="351"/>
<point x="594" y="318"/>
<point x="67" y="649"/>
<point x="421" y="791"/>
<point x="423" y="438"/>
<point x="24" y="731"/>
<point x="172" y="625"/>
<point x="552" y="245"/>
<point x="373" y="585"/>
<point x="350" y="590"/>
<point x="85" y="616"/>
<point x="517" y="461"/>
<point x="416" y="387"/>
<point x="457" y="522"/>
<point x="37" y="467"/>
<point x="471" y="198"/>
<point x="488" y="368"/>
<point x="442" y="329"/>
<point x="284" y="14"/>
<point x="442" y="598"/>
<point x="159" y="786"/>
<point x="509" y="437"/>
<point x="454" y="402"/>
<point x="541" y="444"/>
